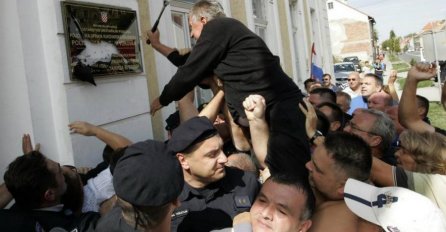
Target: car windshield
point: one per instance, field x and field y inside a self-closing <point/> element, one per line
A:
<point x="344" y="68"/>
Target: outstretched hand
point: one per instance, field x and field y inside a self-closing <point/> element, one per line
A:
<point x="155" y="106"/>
<point x="392" y="77"/>
<point x="27" y="145"/>
<point x="254" y="107"/>
<point x="422" y="71"/>
<point x="310" y="117"/>
<point x="83" y="128"/>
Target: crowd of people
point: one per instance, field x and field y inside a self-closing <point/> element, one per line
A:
<point x="260" y="156"/>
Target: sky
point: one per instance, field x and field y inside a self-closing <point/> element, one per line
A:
<point x="403" y="16"/>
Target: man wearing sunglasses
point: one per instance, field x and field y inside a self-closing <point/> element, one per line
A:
<point x="377" y="129"/>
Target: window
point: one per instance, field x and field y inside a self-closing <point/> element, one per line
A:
<point x="330" y="5"/>
<point x="181" y="33"/>
<point x="259" y="15"/>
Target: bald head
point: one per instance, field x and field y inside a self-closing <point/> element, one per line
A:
<point x="353" y="81"/>
<point x="379" y="101"/>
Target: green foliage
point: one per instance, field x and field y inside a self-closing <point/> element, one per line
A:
<point x="375" y="35"/>
<point x="422" y="84"/>
<point x="406" y="47"/>
<point x="437" y="115"/>
<point x="392" y="34"/>
<point x="401" y="67"/>
<point x="393" y="43"/>
<point x="396" y="45"/>
<point x="413" y="62"/>
<point x="393" y="58"/>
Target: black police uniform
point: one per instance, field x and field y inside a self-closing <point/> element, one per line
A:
<point x="214" y="206"/>
<point x="37" y="220"/>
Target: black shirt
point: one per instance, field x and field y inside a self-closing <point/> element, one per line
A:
<point x="238" y="57"/>
<point x="215" y="206"/>
<point x="38" y="220"/>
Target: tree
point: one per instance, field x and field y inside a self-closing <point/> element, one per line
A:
<point x="393" y="43"/>
<point x="392" y="34"/>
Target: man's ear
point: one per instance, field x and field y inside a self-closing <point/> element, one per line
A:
<point x="50" y="195"/>
<point x="376" y="141"/>
<point x="305" y="225"/>
<point x="340" y="189"/>
<point x="183" y="161"/>
<point x="421" y="110"/>
<point x="203" y="20"/>
<point x="334" y="126"/>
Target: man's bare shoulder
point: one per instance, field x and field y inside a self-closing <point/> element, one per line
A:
<point x="334" y="216"/>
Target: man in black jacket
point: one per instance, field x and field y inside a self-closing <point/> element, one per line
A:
<point x="37" y="184"/>
<point x="241" y="59"/>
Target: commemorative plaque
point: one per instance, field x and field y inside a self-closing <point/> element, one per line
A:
<point x="101" y="40"/>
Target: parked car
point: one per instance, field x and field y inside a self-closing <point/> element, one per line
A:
<point x="355" y="61"/>
<point x="342" y="70"/>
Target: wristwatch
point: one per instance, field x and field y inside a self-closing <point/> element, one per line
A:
<point x="317" y="134"/>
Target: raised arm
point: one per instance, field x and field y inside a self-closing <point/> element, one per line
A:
<point x="381" y="173"/>
<point x="114" y="140"/>
<point x="311" y="122"/>
<point x="391" y="84"/>
<point x="255" y="112"/>
<point x="27" y="145"/>
<point x="186" y="107"/>
<point x="407" y="110"/>
<point x="212" y="109"/>
<point x="154" y="38"/>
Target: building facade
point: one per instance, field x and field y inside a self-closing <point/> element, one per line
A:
<point x="351" y="31"/>
<point x="39" y="97"/>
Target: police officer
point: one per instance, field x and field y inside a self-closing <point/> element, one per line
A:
<point x="213" y="193"/>
<point x="147" y="180"/>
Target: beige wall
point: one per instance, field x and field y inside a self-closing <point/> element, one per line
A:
<point x="284" y="31"/>
<point x="238" y="11"/>
<point x="151" y="74"/>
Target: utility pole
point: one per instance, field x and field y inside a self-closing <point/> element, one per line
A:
<point x="436" y="61"/>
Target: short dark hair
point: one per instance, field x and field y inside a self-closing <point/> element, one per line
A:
<point x="424" y="103"/>
<point x="378" y="80"/>
<point x="350" y="153"/>
<point x="337" y="113"/>
<point x="323" y="124"/>
<point x="344" y="94"/>
<point x="301" y="184"/>
<point x="28" y="178"/>
<point x="308" y="82"/>
<point x="325" y="93"/>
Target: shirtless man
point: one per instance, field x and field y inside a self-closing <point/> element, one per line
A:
<point x="337" y="157"/>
